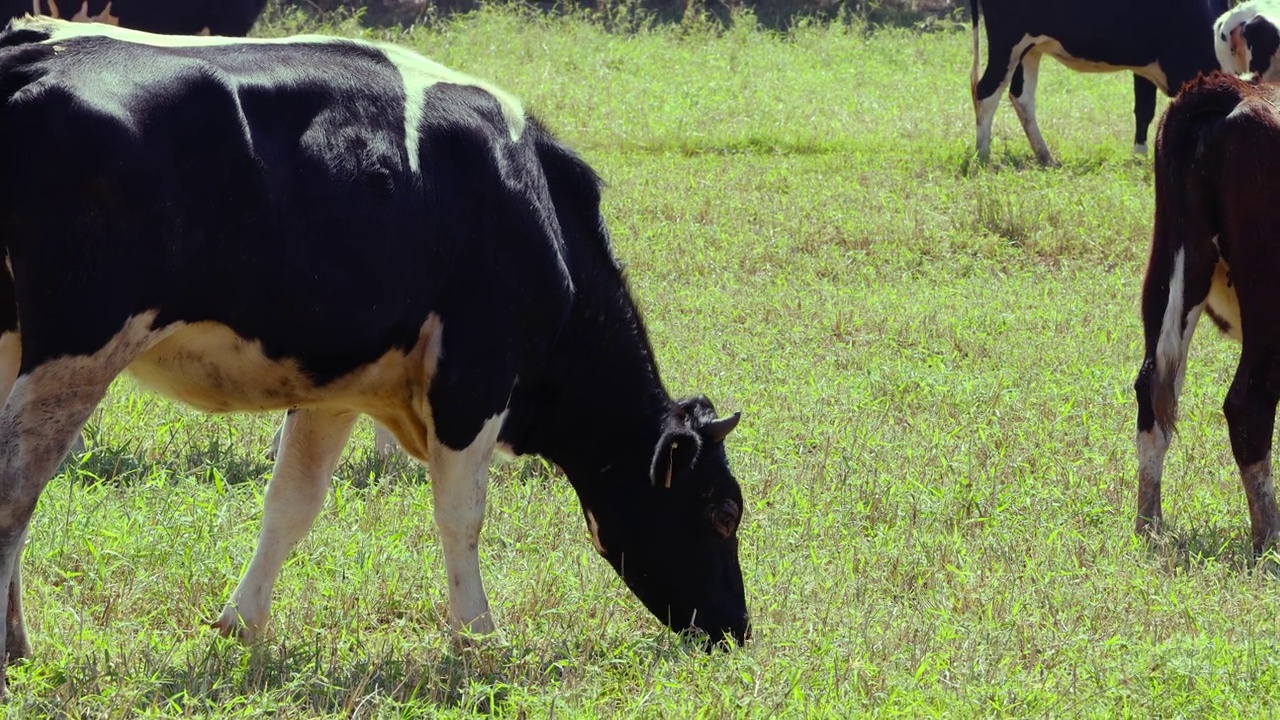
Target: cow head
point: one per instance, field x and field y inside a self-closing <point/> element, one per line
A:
<point x="673" y="535"/>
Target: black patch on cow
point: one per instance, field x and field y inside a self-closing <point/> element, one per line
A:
<point x="1263" y="40"/>
<point x="1217" y="319"/>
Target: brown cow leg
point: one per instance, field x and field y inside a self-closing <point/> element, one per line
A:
<point x="1250" y="408"/>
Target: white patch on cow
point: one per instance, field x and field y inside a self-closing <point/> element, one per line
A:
<point x="205" y="32"/>
<point x="417" y="72"/>
<point x="310" y="446"/>
<point x="1223" y="302"/>
<point x="1169" y="344"/>
<point x="459" y="479"/>
<point x="210" y="367"/>
<point x="1152" y="447"/>
<point x="1025" y="106"/>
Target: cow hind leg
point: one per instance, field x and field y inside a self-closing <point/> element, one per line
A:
<point x="1250" y="408"/>
<point x="1002" y="61"/>
<point x="310" y="444"/>
<point x="43" y="415"/>
<point x="1022" y="92"/>
<point x="1144" y="111"/>
<point x="1159" y="385"/>
<point x="459" y="479"/>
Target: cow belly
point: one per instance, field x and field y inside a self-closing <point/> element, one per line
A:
<point x="1054" y="49"/>
<point x="1223" y="307"/>
<point x="208" y="366"/>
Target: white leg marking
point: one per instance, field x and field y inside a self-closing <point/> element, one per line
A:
<point x="1152" y="447"/>
<point x="310" y="445"/>
<point x="985" y="108"/>
<point x="459" y="480"/>
<point x="1139" y="149"/>
<point x="1169" y="346"/>
<point x="1025" y="106"/>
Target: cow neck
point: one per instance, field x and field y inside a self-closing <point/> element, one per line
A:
<point x="600" y="411"/>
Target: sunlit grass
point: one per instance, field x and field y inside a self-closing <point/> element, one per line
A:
<point x="934" y="361"/>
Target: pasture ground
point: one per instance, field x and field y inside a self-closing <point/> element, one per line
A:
<point x="934" y="361"/>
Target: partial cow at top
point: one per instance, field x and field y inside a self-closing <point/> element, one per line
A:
<point x="1247" y="40"/>
<point x="170" y="17"/>
<point x="1164" y="43"/>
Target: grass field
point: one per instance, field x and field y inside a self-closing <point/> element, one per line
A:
<point x="934" y="362"/>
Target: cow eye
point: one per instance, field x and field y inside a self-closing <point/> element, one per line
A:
<point x="725" y="517"/>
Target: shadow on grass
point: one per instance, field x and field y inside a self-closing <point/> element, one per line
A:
<point x="1192" y="548"/>
<point x="318" y="678"/>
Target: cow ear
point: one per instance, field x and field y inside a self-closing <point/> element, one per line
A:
<point x="717" y="430"/>
<point x="677" y="450"/>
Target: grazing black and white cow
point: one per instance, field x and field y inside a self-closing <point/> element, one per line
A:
<point x="172" y="17"/>
<point x="341" y="228"/>
<point x="1246" y="39"/>
<point x="1213" y="252"/>
<point x="1163" y="42"/>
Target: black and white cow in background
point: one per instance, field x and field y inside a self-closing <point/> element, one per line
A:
<point x="342" y="228"/>
<point x="171" y="17"/>
<point x="1163" y="42"/>
<point x="1246" y="39"/>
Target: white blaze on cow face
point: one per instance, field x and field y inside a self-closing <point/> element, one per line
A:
<point x="417" y="72"/>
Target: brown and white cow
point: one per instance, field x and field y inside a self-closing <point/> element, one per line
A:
<point x="1214" y="253"/>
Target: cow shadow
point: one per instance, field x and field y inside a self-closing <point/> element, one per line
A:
<point x="1186" y="549"/>
<point x="471" y="678"/>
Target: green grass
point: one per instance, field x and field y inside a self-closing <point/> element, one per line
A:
<point x="934" y="361"/>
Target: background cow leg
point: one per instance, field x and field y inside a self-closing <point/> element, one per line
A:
<point x="310" y="444"/>
<point x="1002" y="61"/>
<point x="1022" y="91"/>
<point x="383" y="441"/>
<point x="1144" y="111"/>
<point x="1250" y="408"/>
<point x="459" y="479"/>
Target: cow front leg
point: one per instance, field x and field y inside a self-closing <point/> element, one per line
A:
<point x="1250" y="408"/>
<point x="310" y="443"/>
<point x="459" y="480"/>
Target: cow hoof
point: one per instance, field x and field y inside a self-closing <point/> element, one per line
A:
<point x="17" y="649"/>
<point x="1147" y="528"/>
<point x="231" y="625"/>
